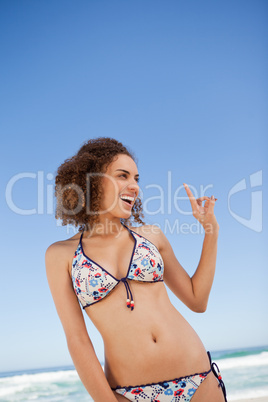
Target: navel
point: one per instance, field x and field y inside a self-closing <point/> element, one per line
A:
<point x="154" y="338"/>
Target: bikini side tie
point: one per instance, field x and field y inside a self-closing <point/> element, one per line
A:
<point x="216" y="371"/>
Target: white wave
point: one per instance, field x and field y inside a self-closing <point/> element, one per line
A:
<point x="244" y="361"/>
<point x="12" y="390"/>
<point x="41" y="377"/>
<point x="20" y="383"/>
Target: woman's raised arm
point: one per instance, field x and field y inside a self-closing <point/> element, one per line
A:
<point x="79" y="344"/>
<point x="194" y="291"/>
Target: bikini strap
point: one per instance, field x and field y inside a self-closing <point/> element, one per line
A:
<point x="80" y="240"/>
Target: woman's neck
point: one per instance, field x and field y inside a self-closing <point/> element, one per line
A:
<point x="105" y="227"/>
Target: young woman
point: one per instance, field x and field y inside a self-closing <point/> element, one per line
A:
<point x="117" y="273"/>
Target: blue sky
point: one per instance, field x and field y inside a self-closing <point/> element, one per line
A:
<point x="184" y="85"/>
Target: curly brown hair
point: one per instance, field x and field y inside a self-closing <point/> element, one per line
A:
<point x="73" y="192"/>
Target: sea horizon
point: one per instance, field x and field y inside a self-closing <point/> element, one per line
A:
<point x="216" y="354"/>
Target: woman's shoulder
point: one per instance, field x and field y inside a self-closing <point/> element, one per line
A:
<point x="63" y="248"/>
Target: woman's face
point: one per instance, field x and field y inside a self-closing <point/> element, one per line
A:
<point x="120" y="187"/>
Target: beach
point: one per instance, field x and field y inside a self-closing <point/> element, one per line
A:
<point x="263" y="399"/>
<point x="244" y="372"/>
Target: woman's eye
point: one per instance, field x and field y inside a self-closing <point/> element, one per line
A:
<point x="125" y="176"/>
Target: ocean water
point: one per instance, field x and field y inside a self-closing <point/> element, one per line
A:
<point x="244" y="371"/>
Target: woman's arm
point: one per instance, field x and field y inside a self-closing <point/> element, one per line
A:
<point x="203" y="277"/>
<point x="79" y="344"/>
<point x="194" y="291"/>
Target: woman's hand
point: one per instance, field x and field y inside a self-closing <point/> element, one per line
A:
<point x="204" y="214"/>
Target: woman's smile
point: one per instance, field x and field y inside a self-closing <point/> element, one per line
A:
<point x="127" y="200"/>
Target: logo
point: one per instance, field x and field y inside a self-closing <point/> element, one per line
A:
<point x="255" y="220"/>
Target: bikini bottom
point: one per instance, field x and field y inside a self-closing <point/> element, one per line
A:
<point x="176" y="390"/>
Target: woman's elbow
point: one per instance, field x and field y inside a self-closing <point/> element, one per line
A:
<point x="199" y="307"/>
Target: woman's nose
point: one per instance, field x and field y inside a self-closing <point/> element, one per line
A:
<point x="133" y="186"/>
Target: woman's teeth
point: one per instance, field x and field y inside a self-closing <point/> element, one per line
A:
<point x="127" y="198"/>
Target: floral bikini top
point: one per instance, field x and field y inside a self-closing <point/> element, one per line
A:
<point x="92" y="282"/>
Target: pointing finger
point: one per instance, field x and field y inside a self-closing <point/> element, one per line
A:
<point x="191" y="196"/>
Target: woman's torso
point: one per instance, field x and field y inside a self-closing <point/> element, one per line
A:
<point x="150" y="343"/>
